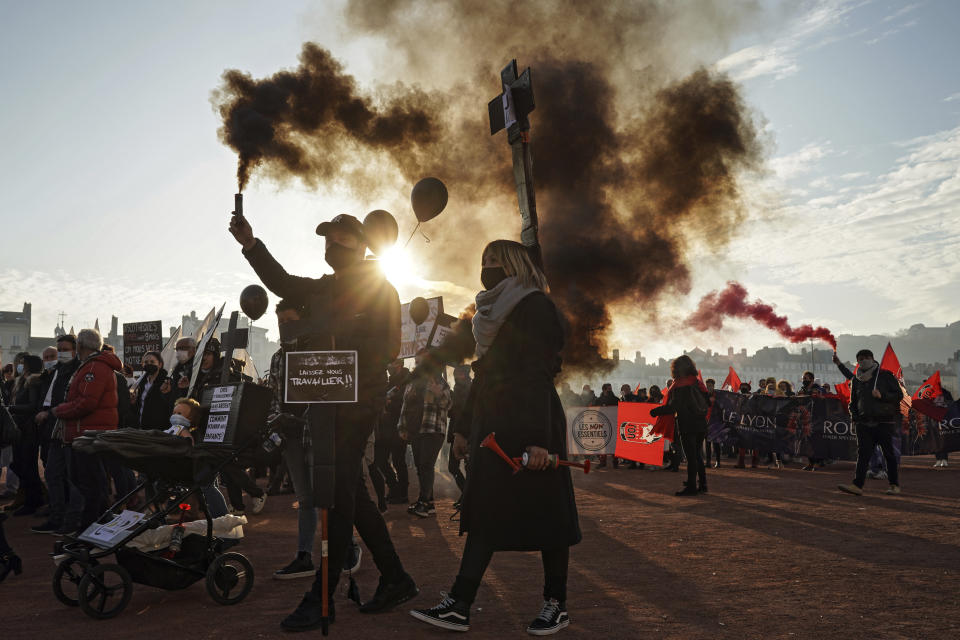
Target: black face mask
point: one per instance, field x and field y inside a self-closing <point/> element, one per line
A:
<point x="492" y="276"/>
<point x="150" y="369"/>
<point x="339" y="256"/>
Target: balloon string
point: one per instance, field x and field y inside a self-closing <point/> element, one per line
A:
<point x="424" y="236"/>
<point x="411" y="235"/>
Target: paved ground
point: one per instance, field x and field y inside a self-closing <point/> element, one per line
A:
<point x="767" y="554"/>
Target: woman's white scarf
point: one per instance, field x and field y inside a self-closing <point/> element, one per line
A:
<point x="493" y="307"/>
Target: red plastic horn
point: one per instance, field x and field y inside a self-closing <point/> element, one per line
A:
<point x="490" y="442"/>
<point x="554" y="461"/>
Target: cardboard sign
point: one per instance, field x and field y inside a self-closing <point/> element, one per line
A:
<point x="138" y="338"/>
<point x="109" y="534"/>
<point x="591" y="430"/>
<point x="414" y="337"/>
<point x="321" y="377"/>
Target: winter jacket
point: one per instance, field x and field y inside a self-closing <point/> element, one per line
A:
<point x="91" y="403"/>
<point x="690" y="405"/>
<point x="151" y="409"/>
<point x="357" y="310"/>
<point x="513" y="394"/>
<point x="864" y="407"/>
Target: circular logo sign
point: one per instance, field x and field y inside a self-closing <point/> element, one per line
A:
<point x="592" y="430"/>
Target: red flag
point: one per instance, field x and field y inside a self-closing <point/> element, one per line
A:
<point x="700" y="377"/>
<point x="891" y="363"/>
<point x="732" y="381"/>
<point x="843" y="391"/>
<point x="925" y="399"/>
<point x="636" y="439"/>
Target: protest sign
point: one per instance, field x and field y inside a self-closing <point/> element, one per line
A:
<point x="139" y="338"/>
<point x="321" y="377"/>
<point x="591" y="430"/>
<point x="636" y="439"/>
<point x="413" y="336"/>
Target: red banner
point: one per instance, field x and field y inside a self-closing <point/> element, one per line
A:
<point x="636" y="439"/>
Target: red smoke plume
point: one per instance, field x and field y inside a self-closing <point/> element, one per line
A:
<point x="732" y="302"/>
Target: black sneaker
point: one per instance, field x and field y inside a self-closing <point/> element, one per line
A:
<point x="422" y="510"/>
<point x="301" y="567"/>
<point x="46" y="527"/>
<point x="552" y="618"/>
<point x="354" y="554"/>
<point x="413" y="506"/>
<point x="431" y="508"/>
<point x="308" y="615"/>
<point x="388" y="596"/>
<point x="449" y="614"/>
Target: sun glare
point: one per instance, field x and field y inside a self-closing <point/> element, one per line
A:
<point x="398" y="266"/>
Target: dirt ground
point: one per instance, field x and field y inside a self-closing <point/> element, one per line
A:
<point x="767" y="554"/>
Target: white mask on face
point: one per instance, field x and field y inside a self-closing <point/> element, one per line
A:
<point x="65" y="356"/>
<point x="49" y="364"/>
<point x="182" y="355"/>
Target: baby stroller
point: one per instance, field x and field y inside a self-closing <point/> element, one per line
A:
<point x="156" y="549"/>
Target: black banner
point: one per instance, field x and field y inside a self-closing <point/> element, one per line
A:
<point x="928" y="435"/>
<point x="798" y="426"/>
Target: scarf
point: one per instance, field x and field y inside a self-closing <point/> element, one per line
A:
<point x="865" y="374"/>
<point x="493" y="307"/>
<point x="666" y="425"/>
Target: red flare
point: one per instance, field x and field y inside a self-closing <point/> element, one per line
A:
<point x="732" y="302"/>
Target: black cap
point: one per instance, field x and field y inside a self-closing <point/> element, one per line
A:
<point x="213" y="346"/>
<point x="343" y="222"/>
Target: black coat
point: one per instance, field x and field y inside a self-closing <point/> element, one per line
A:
<point x="863" y="406"/>
<point x="156" y="406"/>
<point x="690" y="406"/>
<point x="513" y="395"/>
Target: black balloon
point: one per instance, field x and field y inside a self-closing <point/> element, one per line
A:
<point x="380" y="229"/>
<point x="253" y="301"/>
<point x="429" y="197"/>
<point x="419" y="310"/>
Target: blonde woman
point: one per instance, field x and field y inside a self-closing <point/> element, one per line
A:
<point x="519" y="339"/>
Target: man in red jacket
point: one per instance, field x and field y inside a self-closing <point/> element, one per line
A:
<point x="91" y="405"/>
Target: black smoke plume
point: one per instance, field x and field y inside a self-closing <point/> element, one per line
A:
<point x="637" y="152"/>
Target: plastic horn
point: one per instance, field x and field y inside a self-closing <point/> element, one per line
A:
<point x="554" y="461"/>
<point x="490" y="442"/>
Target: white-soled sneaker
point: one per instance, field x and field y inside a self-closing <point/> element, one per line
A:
<point x="258" y="504"/>
<point x="449" y="614"/>
<point x="552" y="618"/>
<point x="894" y="490"/>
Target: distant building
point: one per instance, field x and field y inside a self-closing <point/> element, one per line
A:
<point x="14" y="333"/>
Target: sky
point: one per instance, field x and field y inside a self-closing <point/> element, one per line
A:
<point x="115" y="191"/>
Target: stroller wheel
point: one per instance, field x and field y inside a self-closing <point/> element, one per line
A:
<point x="104" y="591"/>
<point x="66" y="582"/>
<point x="229" y="578"/>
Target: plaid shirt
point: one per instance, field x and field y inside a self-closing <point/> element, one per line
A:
<point x="277" y="371"/>
<point x="435" y="409"/>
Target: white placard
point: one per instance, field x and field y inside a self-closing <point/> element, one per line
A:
<point x="591" y="430"/>
<point x="222" y="393"/>
<point x="220" y="407"/>
<point x="105" y="535"/>
<point x="216" y="427"/>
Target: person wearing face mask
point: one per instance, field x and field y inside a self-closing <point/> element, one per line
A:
<point x="178" y="382"/>
<point x="24" y="405"/>
<point x="91" y="405"/>
<point x="183" y="421"/>
<point x="355" y="309"/>
<point x="151" y="407"/>
<point x="875" y="396"/>
<point x="519" y="338"/>
<point x="66" y="503"/>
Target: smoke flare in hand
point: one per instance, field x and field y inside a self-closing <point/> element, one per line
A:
<point x="638" y="147"/>
<point x="732" y="303"/>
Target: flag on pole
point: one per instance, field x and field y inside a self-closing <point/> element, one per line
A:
<point x="843" y="391"/>
<point x="732" y="381"/>
<point x="925" y="399"/>
<point x="891" y="363"/>
<point x="205" y="332"/>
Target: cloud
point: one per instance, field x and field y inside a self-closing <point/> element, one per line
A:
<point x="895" y="235"/>
<point x="953" y="97"/>
<point x="779" y="58"/>
<point x="804" y="160"/>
